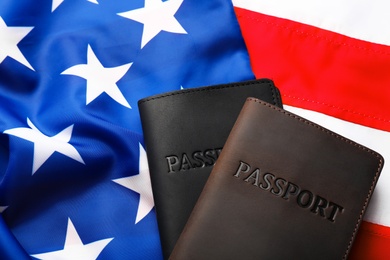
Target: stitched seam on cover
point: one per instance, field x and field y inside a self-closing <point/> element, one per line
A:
<point x="346" y="141"/>
<point x="273" y="90"/>
<point x="190" y="91"/>
<point x="305" y="34"/>
<point x="339" y="108"/>
<point x="364" y="206"/>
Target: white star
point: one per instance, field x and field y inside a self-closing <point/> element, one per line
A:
<point x="56" y="3"/>
<point x="156" y="16"/>
<point x="74" y="247"/>
<point x="2" y="208"/>
<point x="9" y="38"/>
<point x="141" y="184"/>
<point x="100" y="79"/>
<point x="45" y="146"/>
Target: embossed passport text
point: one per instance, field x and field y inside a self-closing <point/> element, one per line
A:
<point x="185" y="132"/>
<point x="282" y="188"/>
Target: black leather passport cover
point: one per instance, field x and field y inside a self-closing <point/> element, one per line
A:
<point x="282" y="188"/>
<point x="184" y="133"/>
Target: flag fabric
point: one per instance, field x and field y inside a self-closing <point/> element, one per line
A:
<point x="73" y="167"/>
<point x="331" y="60"/>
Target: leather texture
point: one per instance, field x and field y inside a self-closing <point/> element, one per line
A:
<point x="282" y="188"/>
<point x="184" y="132"/>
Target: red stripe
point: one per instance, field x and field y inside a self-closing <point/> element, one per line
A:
<point x="372" y="242"/>
<point x="330" y="73"/>
<point x="320" y="70"/>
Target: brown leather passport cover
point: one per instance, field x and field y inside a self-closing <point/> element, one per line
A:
<point x="282" y="188"/>
<point x="184" y="133"/>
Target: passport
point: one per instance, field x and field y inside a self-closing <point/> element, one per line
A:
<point x="184" y="133"/>
<point x="282" y="188"/>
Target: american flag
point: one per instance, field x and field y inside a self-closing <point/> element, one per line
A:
<point x="73" y="167"/>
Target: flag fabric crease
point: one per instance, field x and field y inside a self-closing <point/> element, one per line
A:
<point x="74" y="180"/>
<point x="73" y="168"/>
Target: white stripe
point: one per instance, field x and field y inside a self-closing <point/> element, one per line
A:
<point x="362" y="19"/>
<point x="379" y="208"/>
